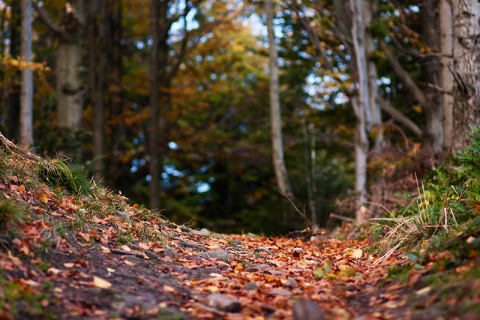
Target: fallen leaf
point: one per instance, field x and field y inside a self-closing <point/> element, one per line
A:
<point x="43" y="198"/>
<point x="54" y="271"/>
<point x="100" y="283"/>
<point x="68" y="265"/>
<point x="357" y="253"/>
<point x="168" y="288"/>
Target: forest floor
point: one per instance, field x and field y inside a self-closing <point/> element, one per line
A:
<point x="93" y="256"/>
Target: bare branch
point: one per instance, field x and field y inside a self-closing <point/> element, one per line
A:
<point x="339" y="217"/>
<point x="403" y="75"/>
<point x="400" y="117"/>
<point x="43" y="14"/>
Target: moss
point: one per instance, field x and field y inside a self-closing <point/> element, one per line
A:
<point x="57" y="173"/>
<point x="11" y="215"/>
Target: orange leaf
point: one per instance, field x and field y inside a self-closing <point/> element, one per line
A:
<point x="43" y="198"/>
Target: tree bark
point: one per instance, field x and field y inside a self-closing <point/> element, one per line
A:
<point x="14" y="88"/>
<point x="374" y="123"/>
<point x="466" y="110"/>
<point x="70" y="87"/>
<point x="26" y="112"/>
<point x="446" y="68"/>
<point x="434" y="134"/>
<point x="98" y="73"/>
<point x="275" y="113"/>
<point x="361" y="105"/>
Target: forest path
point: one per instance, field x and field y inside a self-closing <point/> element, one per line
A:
<point x="200" y="275"/>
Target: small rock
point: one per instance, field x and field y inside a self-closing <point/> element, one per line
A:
<point x="267" y="309"/>
<point x="275" y="272"/>
<point x="237" y="242"/>
<point x="223" y="303"/>
<point x="257" y="267"/>
<point x="218" y="254"/>
<point x="170" y="253"/>
<point x="292" y="283"/>
<point x="203" y="232"/>
<point x="279" y="292"/>
<point x="307" y="310"/>
<point x="251" y="286"/>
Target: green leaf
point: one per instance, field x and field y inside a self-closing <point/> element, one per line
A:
<point x="412" y="257"/>
<point x="319" y="272"/>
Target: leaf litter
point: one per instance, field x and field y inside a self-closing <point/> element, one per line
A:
<point x="96" y="257"/>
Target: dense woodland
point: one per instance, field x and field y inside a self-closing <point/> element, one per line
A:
<point x="175" y="103"/>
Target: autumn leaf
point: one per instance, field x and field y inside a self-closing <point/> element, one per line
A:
<point x="100" y="283"/>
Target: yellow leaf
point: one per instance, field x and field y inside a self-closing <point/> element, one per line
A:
<point x="68" y="265"/>
<point x="212" y="288"/>
<point x="357" y="253"/>
<point x="100" y="283"/>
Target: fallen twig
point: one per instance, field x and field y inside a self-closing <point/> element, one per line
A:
<point x="130" y="253"/>
<point x="339" y="217"/>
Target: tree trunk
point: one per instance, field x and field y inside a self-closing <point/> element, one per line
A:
<point x="98" y="73"/>
<point x="446" y="68"/>
<point x="70" y="88"/>
<point x="374" y="123"/>
<point x="275" y="113"/>
<point x="362" y="109"/>
<point x="154" y="107"/>
<point x="433" y="140"/>
<point x="26" y="112"/>
<point x="466" y="111"/>
<point x="14" y="88"/>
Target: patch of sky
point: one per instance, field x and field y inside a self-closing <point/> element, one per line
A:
<point x="171" y="170"/>
<point x="242" y="128"/>
<point x="211" y="179"/>
<point x="134" y="106"/>
<point x="139" y="44"/>
<point x="203" y="187"/>
<point x="191" y="179"/>
<point x="172" y="145"/>
<point x="414" y="8"/>
<point x="148" y="177"/>
<point x="386" y="80"/>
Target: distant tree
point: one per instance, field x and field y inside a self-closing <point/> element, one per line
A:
<point x="70" y="33"/>
<point x="26" y="114"/>
<point x="275" y="112"/>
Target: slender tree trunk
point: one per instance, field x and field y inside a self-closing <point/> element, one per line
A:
<point x="154" y="108"/>
<point x="446" y="68"/>
<point x="114" y="92"/>
<point x="362" y="109"/>
<point x="309" y="169"/>
<point x="14" y="88"/>
<point x="26" y="113"/>
<point x="98" y="73"/>
<point x="466" y="30"/>
<point x="433" y="140"/>
<point x="275" y="113"/>
<point x="369" y="8"/>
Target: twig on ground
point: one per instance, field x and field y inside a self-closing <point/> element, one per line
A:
<point x="129" y="253"/>
<point x="339" y="217"/>
<point x="149" y="253"/>
<point x="302" y="214"/>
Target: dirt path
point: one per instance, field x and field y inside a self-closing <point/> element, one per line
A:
<point x="199" y="275"/>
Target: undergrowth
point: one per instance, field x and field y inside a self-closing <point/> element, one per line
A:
<point x="447" y="202"/>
